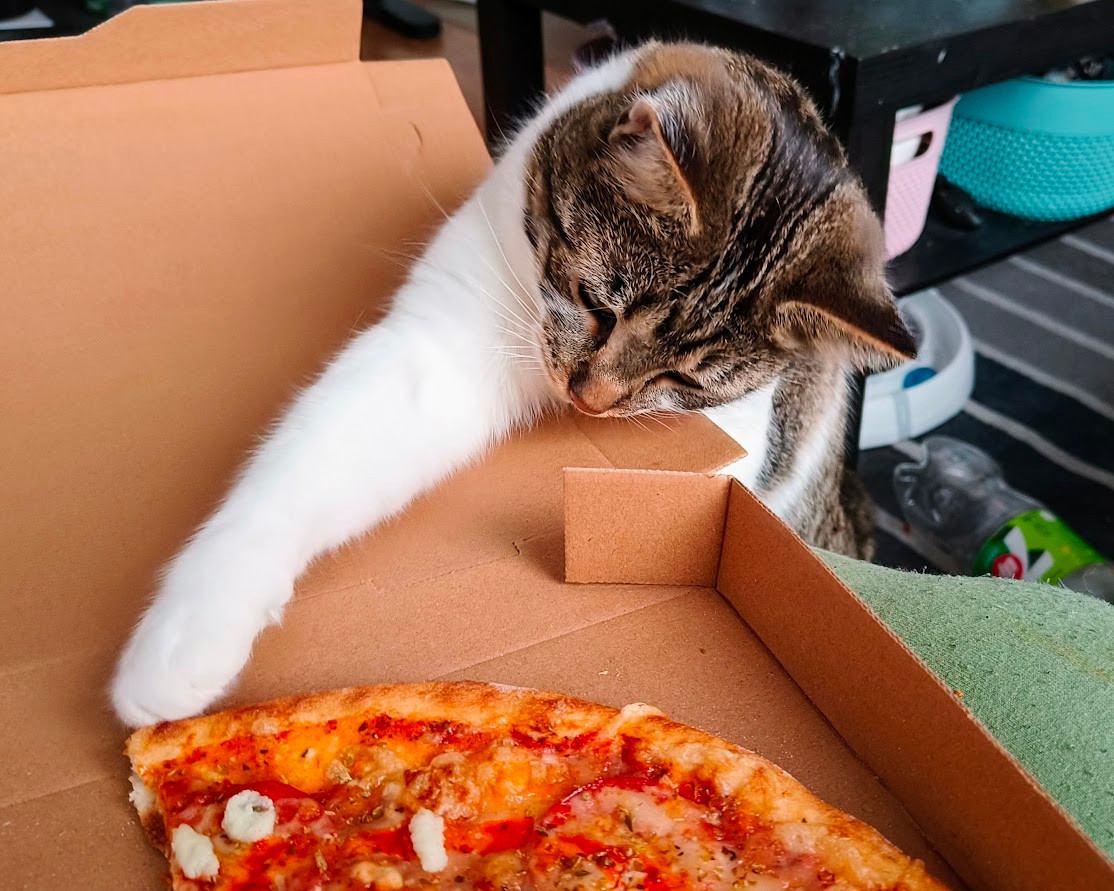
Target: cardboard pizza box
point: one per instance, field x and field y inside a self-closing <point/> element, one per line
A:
<point x="200" y="202"/>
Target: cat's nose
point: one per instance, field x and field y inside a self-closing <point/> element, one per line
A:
<point x="579" y="404"/>
<point x="593" y="396"/>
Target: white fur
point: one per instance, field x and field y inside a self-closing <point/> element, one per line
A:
<point x="747" y="421"/>
<point x="452" y="368"/>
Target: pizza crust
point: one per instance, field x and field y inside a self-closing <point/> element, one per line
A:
<point x="463" y="702"/>
<point x="756" y="784"/>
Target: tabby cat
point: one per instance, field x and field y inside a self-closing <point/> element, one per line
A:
<point x="674" y="231"/>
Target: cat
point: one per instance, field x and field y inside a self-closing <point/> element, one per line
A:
<point x="676" y="231"/>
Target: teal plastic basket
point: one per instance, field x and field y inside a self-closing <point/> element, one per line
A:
<point x="1034" y="149"/>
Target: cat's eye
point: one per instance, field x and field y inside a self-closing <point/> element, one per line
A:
<point x="678" y="379"/>
<point x="603" y="318"/>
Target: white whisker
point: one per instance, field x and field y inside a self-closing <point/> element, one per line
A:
<point x="499" y="307"/>
<point x="516" y="324"/>
<point x="498" y="244"/>
<point x="429" y="194"/>
<point x="528" y="307"/>
<point x="526" y="324"/>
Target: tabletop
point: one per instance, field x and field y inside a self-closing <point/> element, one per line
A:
<point x="867" y="28"/>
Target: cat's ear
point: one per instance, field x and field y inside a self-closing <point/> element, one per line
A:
<point x="653" y="143"/>
<point x="838" y="296"/>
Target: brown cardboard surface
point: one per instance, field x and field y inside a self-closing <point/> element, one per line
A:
<point x="188" y="235"/>
<point x="956" y="780"/>
<point x="216" y="238"/>
<point x="671" y="509"/>
<point x="80" y="837"/>
<point x="233" y="35"/>
<point x="667" y="449"/>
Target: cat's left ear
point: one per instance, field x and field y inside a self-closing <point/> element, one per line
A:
<point x="837" y="295"/>
<point x="654" y="152"/>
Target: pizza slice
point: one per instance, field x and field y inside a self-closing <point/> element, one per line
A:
<point x="462" y="785"/>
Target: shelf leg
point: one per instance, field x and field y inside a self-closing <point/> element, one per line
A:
<point x="513" y="64"/>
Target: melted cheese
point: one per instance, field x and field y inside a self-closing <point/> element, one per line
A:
<point x="638" y="710"/>
<point x="248" y="817"/>
<point x="140" y="796"/>
<point x="384" y="878"/>
<point x="427" y="834"/>
<point x="635" y="711"/>
<point x="194" y="852"/>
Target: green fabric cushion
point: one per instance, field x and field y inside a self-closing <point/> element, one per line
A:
<point x="1035" y="664"/>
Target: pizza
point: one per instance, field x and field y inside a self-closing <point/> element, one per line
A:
<point x="467" y="785"/>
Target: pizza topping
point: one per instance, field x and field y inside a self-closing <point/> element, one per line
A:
<point x="636" y="710"/>
<point x="629" y="831"/>
<point x="383" y="878"/>
<point x="338" y="773"/>
<point x="194" y="852"/>
<point x="491" y="837"/>
<point x="427" y="835"/>
<point x="450" y="786"/>
<point x="248" y="816"/>
<point x="140" y="796"/>
<point x="271" y="789"/>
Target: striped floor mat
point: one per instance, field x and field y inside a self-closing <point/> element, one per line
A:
<point x="1043" y="405"/>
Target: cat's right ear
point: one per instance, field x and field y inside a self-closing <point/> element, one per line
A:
<point x="654" y="151"/>
<point x="833" y="293"/>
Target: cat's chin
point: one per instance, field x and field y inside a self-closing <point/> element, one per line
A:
<point x="609" y="414"/>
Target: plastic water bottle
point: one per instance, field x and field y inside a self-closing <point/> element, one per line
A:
<point x="957" y="498"/>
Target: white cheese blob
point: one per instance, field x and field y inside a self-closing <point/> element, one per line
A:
<point x="248" y="817"/>
<point x="140" y="796"/>
<point x="194" y="852"/>
<point x="637" y="710"/>
<point x="384" y="878"/>
<point x="427" y="834"/>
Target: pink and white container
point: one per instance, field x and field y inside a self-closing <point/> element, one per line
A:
<point x="918" y="143"/>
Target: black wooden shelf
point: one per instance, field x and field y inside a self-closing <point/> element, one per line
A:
<point x="69" y="16"/>
<point x="943" y="253"/>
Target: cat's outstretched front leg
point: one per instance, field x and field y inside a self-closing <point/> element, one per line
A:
<point x="404" y="404"/>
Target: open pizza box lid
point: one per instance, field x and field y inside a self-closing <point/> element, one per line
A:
<point x="200" y="203"/>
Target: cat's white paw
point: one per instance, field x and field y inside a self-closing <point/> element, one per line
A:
<point x="196" y="637"/>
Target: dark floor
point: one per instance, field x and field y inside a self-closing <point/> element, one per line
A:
<point x="1043" y="406"/>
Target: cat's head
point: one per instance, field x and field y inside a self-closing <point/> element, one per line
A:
<point x="696" y="228"/>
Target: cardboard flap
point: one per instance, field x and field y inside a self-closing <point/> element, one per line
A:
<point x="673" y="445"/>
<point x="179" y="257"/>
<point x="957" y="781"/>
<point x="187" y="39"/>
<point x="643" y="527"/>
